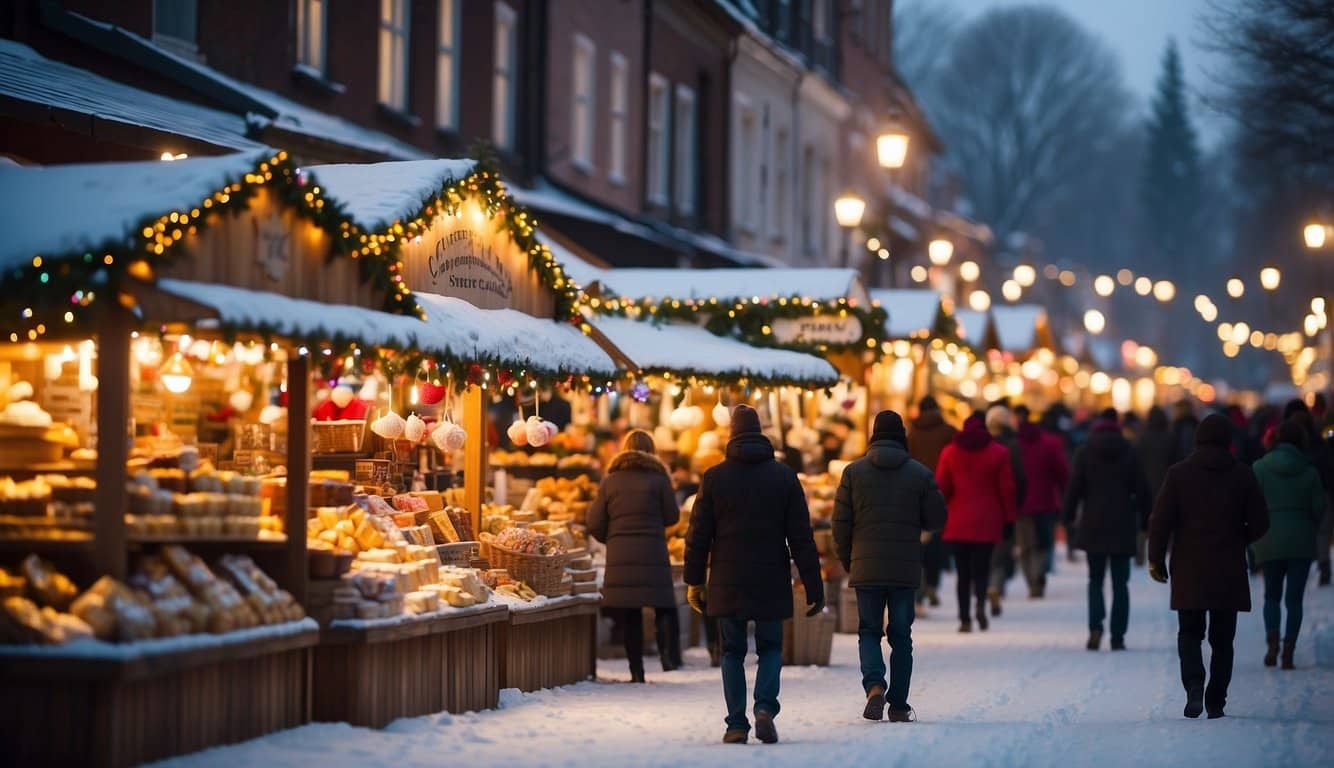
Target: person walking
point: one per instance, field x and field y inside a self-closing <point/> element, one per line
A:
<point x="749" y="524"/>
<point x="1296" y="501"/>
<point x="977" y="480"/>
<point x="930" y="434"/>
<point x="1000" y="423"/>
<point x="1156" y="448"/>
<point x="1110" y="486"/>
<point x="1317" y="452"/>
<point x="1047" y="473"/>
<point x="885" y="502"/>
<point x="634" y="506"/>
<point x="1209" y="510"/>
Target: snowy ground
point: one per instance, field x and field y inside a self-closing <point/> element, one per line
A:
<point x="1025" y="693"/>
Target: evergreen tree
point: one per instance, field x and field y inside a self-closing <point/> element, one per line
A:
<point x="1170" y="184"/>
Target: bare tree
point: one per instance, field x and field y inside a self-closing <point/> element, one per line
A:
<point x="1024" y="98"/>
<point x="922" y="29"/>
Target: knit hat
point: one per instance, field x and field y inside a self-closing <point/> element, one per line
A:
<point x="889" y="426"/>
<point x="1214" y="430"/>
<point x="745" y="420"/>
<point x="928" y="403"/>
<point x="998" y="419"/>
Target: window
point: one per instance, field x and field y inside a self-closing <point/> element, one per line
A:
<point x="582" y="85"/>
<point x="659" y="118"/>
<point x="808" y="197"/>
<point x="745" y="170"/>
<point x="310" y="34"/>
<point x="781" y="184"/>
<point x="502" y="90"/>
<point x="393" y="81"/>
<point x="685" y="149"/>
<point x="619" y="96"/>
<point x="177" y="20"/>
<point x="447" y="66"/>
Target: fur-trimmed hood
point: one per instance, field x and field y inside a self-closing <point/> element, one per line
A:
<point x="644" y="462"/>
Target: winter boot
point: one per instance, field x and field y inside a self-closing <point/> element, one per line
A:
<point x="637" y="674"/>
<point x="982" y="622"/>
<point x="932" y="597"/>
<point x="1194" y="703"/>
<point x="908" y="715"/>
<point x="994" y="598"/>
<point x="764" y="728"/>
<point x="1118" y="643"/>
<point x="1324" y="573"/>
<point x="1095" y="640"/>
<point x="735" y="736"/>
<point x="1271" y="649"/>
<point x="1289" y="646"/>
<point x="965" y="627"/>
<point x="669" y="652"/>
<point x="875" y="704"/>
<point x="1217" y="714"/>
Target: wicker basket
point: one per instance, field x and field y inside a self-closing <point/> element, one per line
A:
<point x="342" y="436"/>
<point x="544" y="573"/>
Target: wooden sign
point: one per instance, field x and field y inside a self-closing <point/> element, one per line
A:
<point x="818" y="329"/>
<point x="371" y="472"/>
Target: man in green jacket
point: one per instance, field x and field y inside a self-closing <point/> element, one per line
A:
<point x="1296" y="500"/>
<point x="885" y="502"/>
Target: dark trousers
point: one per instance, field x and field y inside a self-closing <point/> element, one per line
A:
<point x="632" y="632"/>
<point x="871" y="605"/>
<point x="1222" y="628"/>
<point x="1279" y="573"/>
<point x="1120" y="592"/>
<point x="972" y="561"/>
<point x="1035" y="534"/>
<point x="769" y="649"/>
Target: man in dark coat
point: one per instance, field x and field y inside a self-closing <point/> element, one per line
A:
<point x="1209" y="510"/>
<point x="1110" y="485"/>
<point x="930" y="434"/>
<point x="884" y="503"/>
<point x="1156" y="449"/>
<point x="749" y="524"/>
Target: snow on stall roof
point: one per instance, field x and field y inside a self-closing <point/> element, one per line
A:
<point x="681" y="347"/>
<point x="467" y="332"/>
<point x="732" y="284"/>
<point x="580" y="271"/>
<point x="26" y="75"/>
<point x="1017" y="326"/>
<point x="57" y="210"/>
<point x="972" y="325"/>
<point x="910" y="311"/>
<point x="377" y="194"/>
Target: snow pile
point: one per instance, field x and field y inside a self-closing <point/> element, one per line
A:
<point x="689" y="348"/>
<point x="1322" y="636"/>
<point x="735" y="284"/>
<point x="412" y="618"/>
<point x="57" y="210"/>
<point x="375" y="195"/>
<point x="1017" y="326"/>
<point x="141" y="649"/>
<point x="911" y="311"/>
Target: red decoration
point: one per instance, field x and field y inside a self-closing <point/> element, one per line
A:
<point x="474" y="374"/>
<point x="505" y="378"/>
<point x="329" y="411"/>
<point x="430" y="393"/>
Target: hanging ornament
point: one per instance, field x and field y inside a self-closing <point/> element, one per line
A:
<point x="414" y="428"/>
<point x="389" y="426"/>
<point x="449" y="436"/>
<point x="431" y="393"/>
<point x="537" y="433"/>
<point x="474" y="374"/>
<point x="695" y="415"/>
<point x="505" y="378"/>
<point x="640" y="392"/>
<point x="721" y="414"/>
<point x="518" y="433"/>
<point x="271" y="414"/>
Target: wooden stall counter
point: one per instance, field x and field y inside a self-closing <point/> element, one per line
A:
<point x="372" y="672"/>
<point x="100" y="704"/>
<point x="551" y="643"/>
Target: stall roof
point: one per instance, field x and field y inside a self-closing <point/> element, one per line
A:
<point x="375" y="195"/>
<point x="580" y="271"/>
<point x="1017" y="326"/>
<point x="733" y="284"/>
<point x="972" y="325"/>
<point x="57" y="210"/>
<point x="689" y="349"/>
<point x="911" y="311"/>
<point x="27" y="76"/>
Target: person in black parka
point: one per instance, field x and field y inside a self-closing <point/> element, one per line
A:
<point x="1156" y="449"/>
<point x="749" y="524"/>
<point x="1110" y="485"/>
<point x="1209" y="510"/>
<point x="885" y="502"/>
<point x="634" y="505"/>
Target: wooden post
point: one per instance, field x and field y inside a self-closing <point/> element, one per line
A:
<point x="113" y="416"/>
<point x="474" y="454"/>
<point x="298" y="473"/>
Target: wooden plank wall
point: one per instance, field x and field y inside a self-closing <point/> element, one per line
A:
<point x="546" y="654"/>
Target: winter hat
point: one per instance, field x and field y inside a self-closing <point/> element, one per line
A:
<point x="889" y="426"/>
<point x="745" y="420"/>
<point x="1294" y="406"/>
<point x="1292" y="432"/>
<point x="998" y="419"/>
<point x="1109" y="414"/>
<point x="1214" y="430"/>
<point x="928" y="403"/>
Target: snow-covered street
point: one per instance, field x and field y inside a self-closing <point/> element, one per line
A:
<point x="1025" y="693"/>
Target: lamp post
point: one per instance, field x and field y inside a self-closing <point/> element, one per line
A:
<point x="891" y="151"/>
<point x="1317" y="235"/>
<point x="848" y="211"/>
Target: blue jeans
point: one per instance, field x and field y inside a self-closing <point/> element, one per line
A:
<point x="769" y="648"/>
<point x="1294" y="572"/>
<point x="871" y="604"/>
<point x="1120" y="592"/>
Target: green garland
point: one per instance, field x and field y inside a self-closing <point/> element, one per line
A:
<point x="739" y="379"/>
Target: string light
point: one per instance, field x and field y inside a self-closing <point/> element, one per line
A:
<point x="1103" y="285"/>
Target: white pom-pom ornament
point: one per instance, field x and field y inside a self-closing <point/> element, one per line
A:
<point x="679" y="419"/>
<point x="342" y="395"/>
<point x="517" y="433"/>
<point x="721" y="415"/>
<point x="389" y="426"/>
<point x="696" y="416"/>
<point x="538" y="435"/>
<point x="241" y="400"/>
<point x="414" y="428"/>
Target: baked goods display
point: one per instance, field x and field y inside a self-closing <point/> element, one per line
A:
<point x="820" y="490"/>
<point x="205" y="504"/>
<point x="46" y="507"/>
<point x="561" y="498"/>
<point x="574" y="461"/>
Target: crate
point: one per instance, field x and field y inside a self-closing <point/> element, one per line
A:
<point x="341" y="436"/>
<point x="807" y="640"/>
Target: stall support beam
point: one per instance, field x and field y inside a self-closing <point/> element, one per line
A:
<point x="474" y="454"/>
<point x="298" y="473"/>
<point x="113" y="416"/>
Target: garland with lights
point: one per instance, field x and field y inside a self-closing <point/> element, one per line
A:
<point x="744" y="380"/>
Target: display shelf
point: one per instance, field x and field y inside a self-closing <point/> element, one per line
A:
<point x="250" y="542"/>
<point x="82" y="544"/>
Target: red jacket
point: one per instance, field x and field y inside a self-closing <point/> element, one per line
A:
<point x="1047" y="470"/>
<point x="975" y="476"/>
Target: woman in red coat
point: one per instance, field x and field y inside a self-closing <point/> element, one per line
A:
<point x="974" y="474"/>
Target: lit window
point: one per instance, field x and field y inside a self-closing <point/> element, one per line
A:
<point x="619" y="96"/>
<point x="581" y="88"/>
<point x="177" y="20"/>
<point x="685" y="149"/>
<point x="393" y="79"/>
<point x="658" y="149"/>
<point x="502" y="87"/>
<point x="310" y="38"/>
<point x="447" y="66"/>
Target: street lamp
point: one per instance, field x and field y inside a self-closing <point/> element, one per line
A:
<point x="891" y="146"/>
<point x="848" y="210"/>
<point x="940" y="252"/>
<point x="1315" y="235"/>
<point x="1270" y="277"/>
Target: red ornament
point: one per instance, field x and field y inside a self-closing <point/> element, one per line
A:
<point x="474" y="374"/>
<point x="505" y="378"/>
<point x="430" y="393"/>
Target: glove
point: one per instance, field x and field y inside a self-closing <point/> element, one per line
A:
<point x="1157" y="573"/>
<point x="698" y="597"/>
<point x="816" y="607"/>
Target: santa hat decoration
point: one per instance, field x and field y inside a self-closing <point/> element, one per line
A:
<point x="342" y="394"/>
<point x="414" y="428"/>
